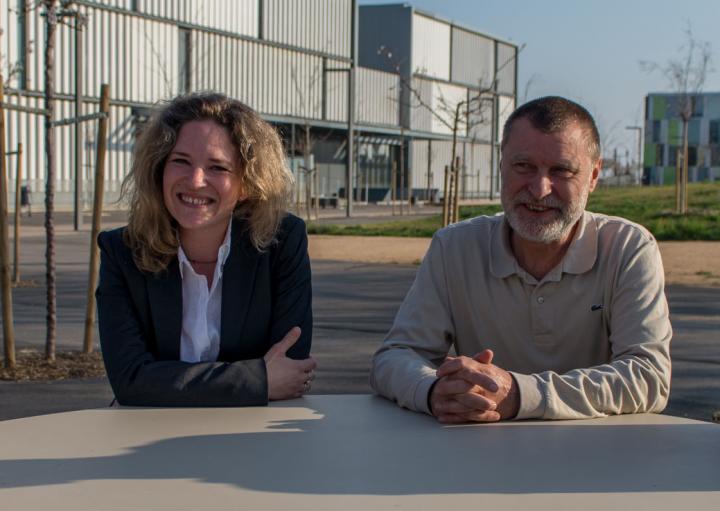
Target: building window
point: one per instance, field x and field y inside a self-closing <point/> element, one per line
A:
<point x="673" y="155"/>
<point x="714" y="132"/>
<point x="697" y="106"/>
<point x="659" y="149"/>
<point x="656" y="131"/>
<point x="692" y="156"/>
<point x="715" y="156"/>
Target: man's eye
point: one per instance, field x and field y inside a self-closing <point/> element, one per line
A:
<point x="563" y="172"/>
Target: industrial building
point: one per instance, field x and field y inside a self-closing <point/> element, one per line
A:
<point x="381" y="81"/>
<point x="664" y="137"/>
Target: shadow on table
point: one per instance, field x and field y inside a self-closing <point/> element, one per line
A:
<point x="342" y="453"/>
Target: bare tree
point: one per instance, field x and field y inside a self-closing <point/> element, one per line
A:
<point x="51" y="21"/>
<point x="686" y="74"/>
<point x="457" y="116"/>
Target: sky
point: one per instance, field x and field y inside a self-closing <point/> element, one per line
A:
<point x="590" y="50"/>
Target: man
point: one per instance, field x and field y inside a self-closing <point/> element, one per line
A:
<point x="555" y="312"/>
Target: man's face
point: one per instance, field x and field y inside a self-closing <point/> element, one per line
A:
<point x="547" y="178"/>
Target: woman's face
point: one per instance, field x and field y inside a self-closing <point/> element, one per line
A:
<point x="201" y="179"/>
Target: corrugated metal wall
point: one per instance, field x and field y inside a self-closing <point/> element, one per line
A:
<point x="431" y="47"/>
<point x="475" y="173"/>
<point x="237" y="16"/>
<point x="28" y="129"/>
<point x="442" y="99"/>
<point x="320" y="25"/>
<point x="378" y="100"/>
<point x="506" y="106"/>
<point x="282" y="82"/>
<point x="506" y="61"/>
<point x="473" y="58"/>
<point x="336" y="96"/>
<point x="446" y="97"/>
<point x="481" y="119"/>
<point x="138" y="57"/>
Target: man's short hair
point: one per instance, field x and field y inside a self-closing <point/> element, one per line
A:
<point x="554" y="113"/>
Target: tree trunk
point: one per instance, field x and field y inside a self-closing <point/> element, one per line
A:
<point x="50" y="28"/>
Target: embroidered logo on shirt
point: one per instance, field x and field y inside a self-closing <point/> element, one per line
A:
<point x="597" y="307"/>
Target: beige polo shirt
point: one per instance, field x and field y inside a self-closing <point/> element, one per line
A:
<point x="591" y="338"/>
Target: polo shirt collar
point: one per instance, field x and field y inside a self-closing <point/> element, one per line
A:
<point x="580" y="256"/>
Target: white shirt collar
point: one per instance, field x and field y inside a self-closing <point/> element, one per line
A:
<point x="223" y="253"/>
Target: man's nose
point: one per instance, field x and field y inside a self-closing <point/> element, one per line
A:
<point x="541" y="185"/>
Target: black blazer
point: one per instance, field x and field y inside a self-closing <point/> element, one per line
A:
<point x="264" y="295"/>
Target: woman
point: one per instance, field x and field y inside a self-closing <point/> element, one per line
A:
<point x="204" y="298"/>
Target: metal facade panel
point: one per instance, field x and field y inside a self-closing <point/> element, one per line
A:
<point x="319" y="25"/>
<point x="430" y="47"/>
<point x="421" y="116"/>
<point x="25" y="128"/>
<point x="378" y="100"/>
<point x="28" y="129"/>
<point x="506" y="106"/>
<point x="446" y="97"/>
<point x="9" y="56"/>
<point x="506" y="61"/>
<point x="236" y="16"/>
<point x="481" y="119"/>
<point x="434" y="109"/>
<point x="137" y="57"/>
<point x="336" y="94"/>
<point x="476" y="171"/>
<point x="473" y="58"/>
<point x="439" y="153"/>
<point x="385" y="27"/>
<point x="271" y="80"/>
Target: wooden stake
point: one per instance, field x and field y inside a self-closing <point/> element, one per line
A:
<point x="446" y="197"/>
<point x="7" y="309"/>
<point x="97" y="212"/>
<point x="18" y="180"/>
<point x="393" y="190"/>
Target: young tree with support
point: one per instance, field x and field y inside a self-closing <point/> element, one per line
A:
<point x="686" y="75"/>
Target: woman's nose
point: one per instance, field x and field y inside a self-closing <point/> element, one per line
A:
<point x="197" y="177"/>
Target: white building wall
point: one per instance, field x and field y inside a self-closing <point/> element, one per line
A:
<point x="236" y="16"/>
<point x="319" y="25"/>
<point x="378" y="97"/>
<point x="430" y="47"/>
<point x="473" y="58"/>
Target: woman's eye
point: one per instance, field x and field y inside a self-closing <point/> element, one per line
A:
<point x="219" y="168"/>
<point x="180" y="161"/>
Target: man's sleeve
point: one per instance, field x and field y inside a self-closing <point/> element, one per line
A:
<point x="404" y="366"/>
<point x="637" y="379"/>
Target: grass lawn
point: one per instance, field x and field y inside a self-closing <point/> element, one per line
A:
<point x="651" y="206"/>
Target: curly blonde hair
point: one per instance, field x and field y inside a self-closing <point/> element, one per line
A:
<point x="152" y="233"/>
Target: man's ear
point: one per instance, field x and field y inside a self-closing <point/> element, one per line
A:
<point x="595" y="174"/>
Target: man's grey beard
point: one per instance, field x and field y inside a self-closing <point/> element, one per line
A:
<point x="543" y="231"/>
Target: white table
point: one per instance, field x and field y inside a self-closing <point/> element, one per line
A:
<point x="352" y="452"/>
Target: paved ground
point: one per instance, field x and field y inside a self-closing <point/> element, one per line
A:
<point x="354" y="304"/>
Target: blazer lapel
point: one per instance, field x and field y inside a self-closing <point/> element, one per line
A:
<point x="237" y="288"/>
<point x="165" y="293"/>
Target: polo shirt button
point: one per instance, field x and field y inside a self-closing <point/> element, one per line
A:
<point x="540" y="300"/>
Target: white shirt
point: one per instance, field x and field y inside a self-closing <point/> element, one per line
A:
<point x="200" y="337"/>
